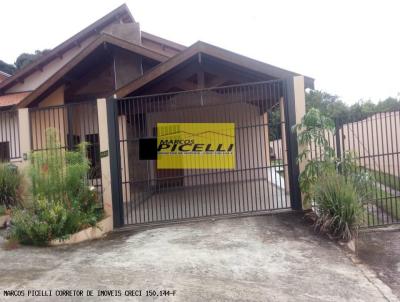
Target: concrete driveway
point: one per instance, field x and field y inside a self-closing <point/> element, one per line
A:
<point x="264" y="258"/>
<point x="380" y="250"/>
<point x="206" y="200"/>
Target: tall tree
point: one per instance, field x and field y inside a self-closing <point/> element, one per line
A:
<point x="25" y="59"/>
<point x="7" y="68"/>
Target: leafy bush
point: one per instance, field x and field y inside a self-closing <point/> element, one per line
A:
<point x="10" y="186"/>
<point x="48" y="220"/>
<point x="339" y="209"/>
<point x="2" y="210"/>
<point x="58" y="174"/>
<point x="62" y="201"/>
<point x="313" y="131"/>
<point x="336" y="187"/>
<point x="38" y="225"/>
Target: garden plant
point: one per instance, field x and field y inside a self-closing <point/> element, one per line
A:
<point x="333" y="186"/>
<point x="62" y="202"/>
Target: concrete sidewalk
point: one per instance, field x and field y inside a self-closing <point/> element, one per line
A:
<point x="263" y="258"/>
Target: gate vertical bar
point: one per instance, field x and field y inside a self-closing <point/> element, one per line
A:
<point x="115" y="161"/>
<point x="293" y="115"/>
<point x="70" y="140"/>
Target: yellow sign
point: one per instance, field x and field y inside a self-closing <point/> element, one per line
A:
<point x="195" y="146"/>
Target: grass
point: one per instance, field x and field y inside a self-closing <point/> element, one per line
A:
<point x="386" y="179"/>
<point x="2" y="210"/>
<point x="384" y="201"/>
<point x="276" y="162"/>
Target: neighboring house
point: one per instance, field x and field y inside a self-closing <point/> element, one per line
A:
<point x="3" y="76"/>
<point x="114" y="57"/>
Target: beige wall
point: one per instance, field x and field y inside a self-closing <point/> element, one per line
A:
<point x="50" y="115"/>
<point x="54" y="99"/>
<point x="376" y="140"/>
<point x="38" y="77"/>
<point x="128" y="66"/>
<point x="49" y="118"/>
<point x="250" y="141"/>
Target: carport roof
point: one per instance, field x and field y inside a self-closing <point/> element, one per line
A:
<point x="213" y="51"/>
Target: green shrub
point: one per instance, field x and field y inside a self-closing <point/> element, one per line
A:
<point x="2" y="210"/>
<point x="48" y="220"/>
<point x="58" y="174"/>
<point x="62" y="202"/>
<point x="10" y="185"/>
<point x="40" y="224"/>
<point x="313" y="131"/>
<point x="339" y="209"/>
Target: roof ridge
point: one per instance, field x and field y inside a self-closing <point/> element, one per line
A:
<point x="74" y="39"/>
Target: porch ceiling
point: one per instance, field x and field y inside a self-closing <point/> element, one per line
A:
<point x="208" y="57"/>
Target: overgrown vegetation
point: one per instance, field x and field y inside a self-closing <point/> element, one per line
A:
<point x="11" y="186"/>
<point x="62" y="202"/>
<point x="332" y="185"/>
<point x="386" y="179"/>
<point x="2" y="210"/>
<point x="312" y="136"/>
<point x="333" y="107"/>
<point x="23" y="60"/>
<point x="339" y="208"/>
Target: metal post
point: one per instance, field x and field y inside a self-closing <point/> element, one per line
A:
<point x="337" y="137"/>
<point x="115" y="163"/>
<point x="70" y="137"/>
<point x="292" y="145"/>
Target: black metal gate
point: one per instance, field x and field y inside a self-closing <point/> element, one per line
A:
<point x="260" y="182"/>
<point x="374" y="142"/>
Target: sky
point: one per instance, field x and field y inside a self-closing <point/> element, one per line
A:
<point x="351" y="48"/>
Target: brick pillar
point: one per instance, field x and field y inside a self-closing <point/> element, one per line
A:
<point x="24" y="137"/>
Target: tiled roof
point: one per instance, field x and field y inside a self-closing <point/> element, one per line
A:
<point x="12" y="98"/>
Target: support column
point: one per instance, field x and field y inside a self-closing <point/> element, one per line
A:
<point x="24" y="137"/>
<point x="109" y="142"/>
<point x="294" y="112"/>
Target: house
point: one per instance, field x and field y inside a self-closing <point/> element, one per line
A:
<point x="3" y="76"/>
<point x="154" y="80"/>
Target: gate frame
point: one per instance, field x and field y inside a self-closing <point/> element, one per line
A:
<point x="294" y="110"/>
<point x="114" y="154"/>
<point x="295" y="107"/>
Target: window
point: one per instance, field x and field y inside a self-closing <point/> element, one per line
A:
<point x="73" y="141"/>
<point x="4" y="151"/>
<point x="93" y="153"/>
